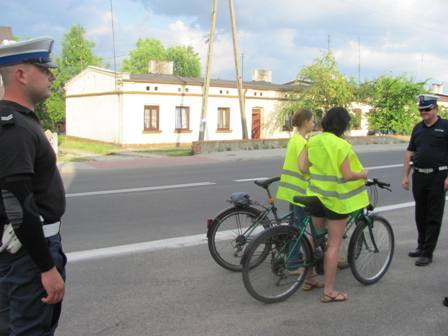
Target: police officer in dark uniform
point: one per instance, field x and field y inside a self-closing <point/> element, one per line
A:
<point x="32" y="263"/>
<point x="428" y="150"/>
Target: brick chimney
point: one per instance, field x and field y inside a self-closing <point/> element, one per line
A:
<point x="262" y="75"/>
<point x="161" y="67"/>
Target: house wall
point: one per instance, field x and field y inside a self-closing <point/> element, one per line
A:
<point x="93" y="109"/>
<point x="95" y="117"/>
<point x="169" y="96"/>
<point x="97" y="109"/>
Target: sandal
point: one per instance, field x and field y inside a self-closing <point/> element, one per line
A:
<point x="339" y="297"/>
<point x="312" y="283"/>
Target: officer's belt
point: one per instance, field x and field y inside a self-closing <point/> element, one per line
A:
<point x="51" y="230"/>
<point x="430" y="170"/>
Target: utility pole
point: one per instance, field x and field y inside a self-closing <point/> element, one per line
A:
<point x="203" y="121"/>
<point x="359" y="61"/>
<point x="237" y="70"/>
<point x="113" y="42"/>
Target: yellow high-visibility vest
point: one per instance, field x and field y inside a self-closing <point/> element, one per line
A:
<point x="326" y="152"/>
<point x="292" y="181"/>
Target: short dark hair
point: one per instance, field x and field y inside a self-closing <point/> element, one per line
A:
<point x="336" y="121"/>
<point x="300" y="116"/>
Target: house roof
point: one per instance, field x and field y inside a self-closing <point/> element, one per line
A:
<point x="173" y="79"/>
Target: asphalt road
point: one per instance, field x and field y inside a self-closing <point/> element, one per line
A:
<point x="173" y="290"/>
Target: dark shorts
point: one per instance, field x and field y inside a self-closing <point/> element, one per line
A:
<point x="21" y="310"/>
<point x="317" y="209"/>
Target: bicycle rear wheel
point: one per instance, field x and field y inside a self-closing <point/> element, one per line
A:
<point x="271" y="281"/>
<point x="230" y="233"/>
<point x="371" y="249"/>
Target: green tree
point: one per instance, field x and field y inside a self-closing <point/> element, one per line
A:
<point x="139" y="57"/>
<point x="328" y="87"/>
<point x="186" y="61"/>
<point x="394" y="103"/>
<point x="76" y="55"/>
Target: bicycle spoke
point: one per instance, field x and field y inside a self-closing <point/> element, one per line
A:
<point x="371" y="250"/>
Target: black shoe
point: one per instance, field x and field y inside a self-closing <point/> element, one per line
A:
<point x="423" y="261"/>
<point x="416" y="253"/>
<point x="445" y="301"/>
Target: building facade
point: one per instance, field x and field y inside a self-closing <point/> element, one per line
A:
<point x="163" y="109"/>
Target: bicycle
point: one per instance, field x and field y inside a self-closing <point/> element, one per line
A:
<point x="233" y="228"/>
<point x="370" y="251"/>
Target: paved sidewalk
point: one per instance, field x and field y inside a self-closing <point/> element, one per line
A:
<point x="142" y="160"/>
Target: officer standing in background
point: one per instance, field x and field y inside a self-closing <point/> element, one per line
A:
<point x="32" y="263"/>
<point x="428" y="150"/>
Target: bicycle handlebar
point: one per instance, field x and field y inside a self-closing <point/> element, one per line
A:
<point x="265" y="183"/>
<point x="382" y="185"/>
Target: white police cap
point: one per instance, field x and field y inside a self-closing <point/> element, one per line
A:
<point x="35" y="51"/>
<point x="426" y="101"/>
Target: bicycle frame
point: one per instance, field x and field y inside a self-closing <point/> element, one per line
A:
<point x="316" y="235"/>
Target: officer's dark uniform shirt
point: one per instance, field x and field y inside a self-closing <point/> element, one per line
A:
<point x="430" y="144"/>
<point x="25" y="150"/>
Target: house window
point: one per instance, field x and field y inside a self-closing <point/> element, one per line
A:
<point x="151" y="118"/>
<point x="223" y="118"/>
<point x="356" y="122"/>
<point x="287" y="125"/>
<point x="182" y="118"/>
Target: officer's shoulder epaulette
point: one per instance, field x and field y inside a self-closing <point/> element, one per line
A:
<point x="7" y="116"/>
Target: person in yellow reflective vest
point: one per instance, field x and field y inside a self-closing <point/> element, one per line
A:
<point x="293" y="182"/>
<point x="337" y="178"/>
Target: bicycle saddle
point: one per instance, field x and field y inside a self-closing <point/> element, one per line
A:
<point x="265" y="183"/>
<point x="306" y="200"/>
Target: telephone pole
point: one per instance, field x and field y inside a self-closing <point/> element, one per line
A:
<point x="239" y="80"/>
<point x="203" y="121"/>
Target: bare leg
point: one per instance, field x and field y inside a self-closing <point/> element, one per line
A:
<point x="319" y="224"/>
<point x="336" y="230"/>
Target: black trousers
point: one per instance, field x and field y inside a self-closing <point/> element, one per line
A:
<point x="429" y="196"/>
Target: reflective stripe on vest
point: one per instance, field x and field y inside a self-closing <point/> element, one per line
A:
<point x="326" y="152"/>
<point x="292" y="181"/>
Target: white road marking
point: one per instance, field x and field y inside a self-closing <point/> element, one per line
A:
<point x="171" y="243"/>
<point x="385" y="167"/>
<point x="177" y="242"/>
<point x="250" y="179"/>
<point x="129" y="190"/>
<point x="149" y="246"/>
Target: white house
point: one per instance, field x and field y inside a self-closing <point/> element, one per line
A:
<point x="157" y="108"/>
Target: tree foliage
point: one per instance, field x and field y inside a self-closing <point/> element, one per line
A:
<point x="328" y="87"/>
<point x="394" y="103"/>
<point x="186" y="61"/>
<point x="139" y="57"/>
<point x="76" y="55"/>
<point x="393" y="99"/>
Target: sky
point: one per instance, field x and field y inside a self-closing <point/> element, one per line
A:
<point x="369" y="38"/>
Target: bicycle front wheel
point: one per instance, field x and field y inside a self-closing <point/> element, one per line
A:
<point x="286" y="261"/>
<point x="371" y="249"/>
<point x="230" y="233"/>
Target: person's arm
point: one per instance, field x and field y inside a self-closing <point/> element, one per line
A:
<point x="28" y="228"/>
<point x="407" y="169"/>
<point x="350" y="175"/>
<point x="302" y="162"/>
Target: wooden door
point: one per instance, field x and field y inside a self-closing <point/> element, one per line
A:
<point x="256" y="123"/>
